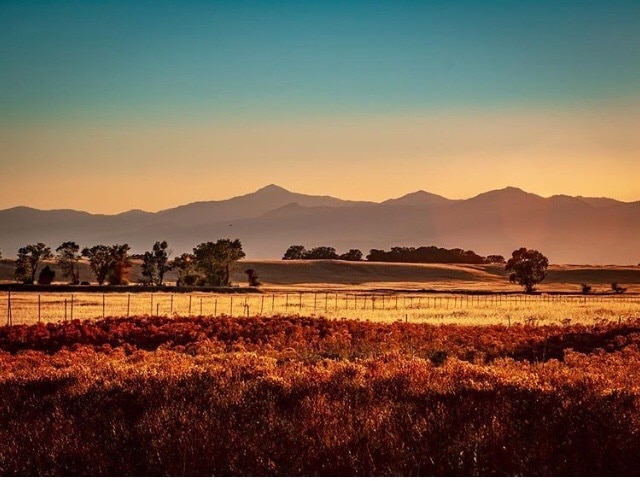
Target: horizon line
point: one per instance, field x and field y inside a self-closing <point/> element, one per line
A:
<point x="283" y="189"/>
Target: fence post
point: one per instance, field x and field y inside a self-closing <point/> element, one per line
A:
<point x="65" y="309"/>
<point x="215" y="307"/>
<point x="38" y="307"/>
<point x="71" y="306"/>
<point x="231" y="306"/>
<point x="103" y="301"/>
<point x="171" y="306"/>
<point x="128" y="304"/>
<point x="261" y="304"/>
<point x="273" y="302"/>
<point x="315" y="299"/>
<point x="201" y="306"/>
<point x="157" y="308"/>
<point x="9" y="316"/>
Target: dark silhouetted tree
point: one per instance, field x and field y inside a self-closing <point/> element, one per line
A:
<point x="496" y="259"/>
<point x="148" y="269"/>
<point x="252" y="277"/>
<point x="68" y="258"/>
<point x="352" y="255"/>
<point x="155" y="264"/>
<point x="99" y="258"/>
<point x="215" y="260"/>
<point x="120" y="264"/>
<point x="47" y="275"/>
<point x="322" y="252"/>
<point x="294" y="253"/>
<point x="29" y="258"/>
<point x="431" y="254"/>
<point x="186" y="270"/>
<point x="528" y="267"/>
<point x="109" y="262"/>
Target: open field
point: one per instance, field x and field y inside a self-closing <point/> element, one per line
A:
<point x="442" y="277"/>
<point x="317" y="275"/>
<point x="308" y="396"/>
<point x="381" y="306"/>
<point x="280" y="383"/>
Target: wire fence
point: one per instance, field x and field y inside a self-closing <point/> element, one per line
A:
<point x="31" y="307"/>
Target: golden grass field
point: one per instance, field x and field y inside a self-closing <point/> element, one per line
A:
<point x="341" y="275"/>
<point x="383" y="292"/>
<point x="31" y="307"/>
<point x="477" y="379"/>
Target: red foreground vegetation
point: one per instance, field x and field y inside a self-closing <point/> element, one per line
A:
<point x="309" y="396"/>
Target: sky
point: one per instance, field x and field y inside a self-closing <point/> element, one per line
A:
<point x="107" y="106"/>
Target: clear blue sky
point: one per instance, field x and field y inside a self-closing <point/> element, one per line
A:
<point x="81" y="64"/>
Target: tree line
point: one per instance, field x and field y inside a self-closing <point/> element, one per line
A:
<point x="298" y="252"/>
<point x="527" y="267"/>
<point x="209" y="264"/>
<point x="430" y="254"/>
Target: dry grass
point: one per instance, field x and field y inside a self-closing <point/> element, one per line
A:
<point x="382" y="307"/>
<point x="295" y="396"/>
<point x="384" y="292"/>
<point x="446" y="277"/>
<point x="315" y="275"/>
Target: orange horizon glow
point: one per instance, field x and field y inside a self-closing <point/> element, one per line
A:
<point x="457" y="154"/>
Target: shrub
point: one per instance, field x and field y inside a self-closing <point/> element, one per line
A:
<point x="46" y="276"/>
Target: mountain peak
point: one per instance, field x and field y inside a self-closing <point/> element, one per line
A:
<point x="271" y="189"/>
<point x="419" y="198"/>
<point x="507" y="193"/>
<point x="511" y="189"/>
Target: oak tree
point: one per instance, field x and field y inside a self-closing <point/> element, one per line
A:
<point x="28" y="261"/>
<point x="528" y="268"/>
<point x="215" y="260"/>
<point x="68" y="259"/>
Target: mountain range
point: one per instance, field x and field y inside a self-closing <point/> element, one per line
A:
<point x="571" y="230"/>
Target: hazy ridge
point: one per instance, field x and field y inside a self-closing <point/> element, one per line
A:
<point x="578" y="230"/>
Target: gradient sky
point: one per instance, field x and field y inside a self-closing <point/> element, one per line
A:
<point x="107" y="106"/>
